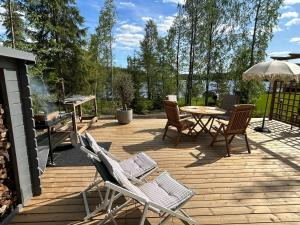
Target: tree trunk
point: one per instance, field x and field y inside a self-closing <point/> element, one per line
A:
<point x="208" y="63"/>
<point x="177" y="61"/>
<point x="148" y="85"/>
<point x="11" y="25"/>
<point x="111" y="61"/>
<point x="192" y="59"/>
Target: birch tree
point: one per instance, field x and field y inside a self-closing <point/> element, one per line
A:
<point x="149" y="55"/>
<point x="104" y="33"/>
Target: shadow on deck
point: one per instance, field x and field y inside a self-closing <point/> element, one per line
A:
<point x="258" y="188"/>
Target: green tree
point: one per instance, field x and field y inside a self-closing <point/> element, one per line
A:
<point x="262" y="16"/>
<point x="179" y="27"/>
<point x="55" y="28"/>
<point x="13" y="23"/>
<point x="104" y="35"/>
<point x="191" y="7"/>
<point x="149" y="55"/>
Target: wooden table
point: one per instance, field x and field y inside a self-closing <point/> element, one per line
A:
<point x="199" y="112"/>
<point x="77" y="102"/>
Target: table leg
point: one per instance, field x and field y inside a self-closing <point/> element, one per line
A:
<point x="74" y="119"/>
<point x="95" y="106"/>
<point x="197" y="119"/>
<point x="204" y="126"/>
<point x="80" y="112"/>
<point x="51" y="162"/>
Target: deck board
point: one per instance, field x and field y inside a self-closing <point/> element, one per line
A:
<point x="259" y="188"/>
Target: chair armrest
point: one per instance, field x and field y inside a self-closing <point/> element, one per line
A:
<point x="184" y="116"/>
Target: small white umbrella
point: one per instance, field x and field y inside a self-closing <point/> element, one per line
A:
<point x="272" y="71"/>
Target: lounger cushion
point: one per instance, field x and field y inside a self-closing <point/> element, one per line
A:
<point x="166" y="191"/>
<point x="93" y="143"/>
<point x="138" y="165"/>
<point x="119" y="174"/>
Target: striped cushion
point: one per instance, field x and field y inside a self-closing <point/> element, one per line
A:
<point x="93" y="143"/>
<point x="117" y="172"/>
<point x="166" y="191"/>
<point x="138" y="165"/>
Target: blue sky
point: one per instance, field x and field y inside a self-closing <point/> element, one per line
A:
<point x="132" y="15"/>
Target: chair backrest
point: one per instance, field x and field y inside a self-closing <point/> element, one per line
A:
<point x="100" y="167"/>
<point x="172" y="111"/>
<point x="228" y="102"/>
<point x="239" y="119"/>
<point x="172" y="98"/>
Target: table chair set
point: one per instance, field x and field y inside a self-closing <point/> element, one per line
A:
<point x="231" y="118"/>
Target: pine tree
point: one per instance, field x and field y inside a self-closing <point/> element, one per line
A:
<point x="58" y="36"/>
<point x="14" y="24"/>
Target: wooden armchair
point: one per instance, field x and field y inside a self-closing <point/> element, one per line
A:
<point x="173" y="116"/>
<point x="237" y="124"/>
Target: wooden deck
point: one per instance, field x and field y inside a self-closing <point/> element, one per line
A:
<point x="259" y="188"/>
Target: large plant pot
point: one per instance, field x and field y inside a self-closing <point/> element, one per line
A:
<point x="124" y="116"/>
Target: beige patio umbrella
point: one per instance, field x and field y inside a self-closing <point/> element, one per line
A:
<point x="272" y="71"/>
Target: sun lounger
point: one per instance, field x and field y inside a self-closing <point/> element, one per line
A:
<point x="164" y="195"/>
<point x="137" y="168"/>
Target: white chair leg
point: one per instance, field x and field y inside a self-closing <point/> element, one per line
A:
<point x="144" y="216"/>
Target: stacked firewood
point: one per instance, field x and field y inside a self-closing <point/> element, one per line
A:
<point x="7" y="188"/>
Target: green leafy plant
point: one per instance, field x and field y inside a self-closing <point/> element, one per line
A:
<point x="123" y="89"/>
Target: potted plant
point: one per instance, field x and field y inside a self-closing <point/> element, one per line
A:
<point x="124" y="91"/>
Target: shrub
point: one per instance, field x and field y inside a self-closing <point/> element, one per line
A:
<point x="123" y="89"/>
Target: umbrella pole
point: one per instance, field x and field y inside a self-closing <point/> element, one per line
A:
<point x="263" y="128"/>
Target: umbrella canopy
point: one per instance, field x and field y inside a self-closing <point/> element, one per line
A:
<point x="273" y="70"/>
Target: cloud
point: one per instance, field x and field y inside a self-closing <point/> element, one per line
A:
<point x="291" y="2"/>
<point x="2" y="10"/>
<point x="279" y="53"/>
<point x="127" y="4"/>
<point x="174" y="1"/>
<point x="295" y="40"/>
<point x="146" y="18"/>
<point x="289" y="15"/>
<point x="130" y="28"/>
<point x="292" y="22"/>
<point x="128" y="39"/>
<point x="164" y="23"/>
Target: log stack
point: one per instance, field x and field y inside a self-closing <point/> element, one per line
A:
<point x="7" y="186"/>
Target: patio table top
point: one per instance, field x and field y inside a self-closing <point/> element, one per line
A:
<point x="203" y="110"/>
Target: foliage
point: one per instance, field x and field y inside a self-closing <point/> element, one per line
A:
<point x="149" y="55"/>
<point x="57" y="33"/>
<point x="103" y="41"/>
<point x="123" y="89"/>
<point x="209" y="41"/>
<point x="13" y="23"/>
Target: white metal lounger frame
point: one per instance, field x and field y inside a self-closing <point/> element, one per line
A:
<point x="97" y="180"/>
<point x="116" y="191"/>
